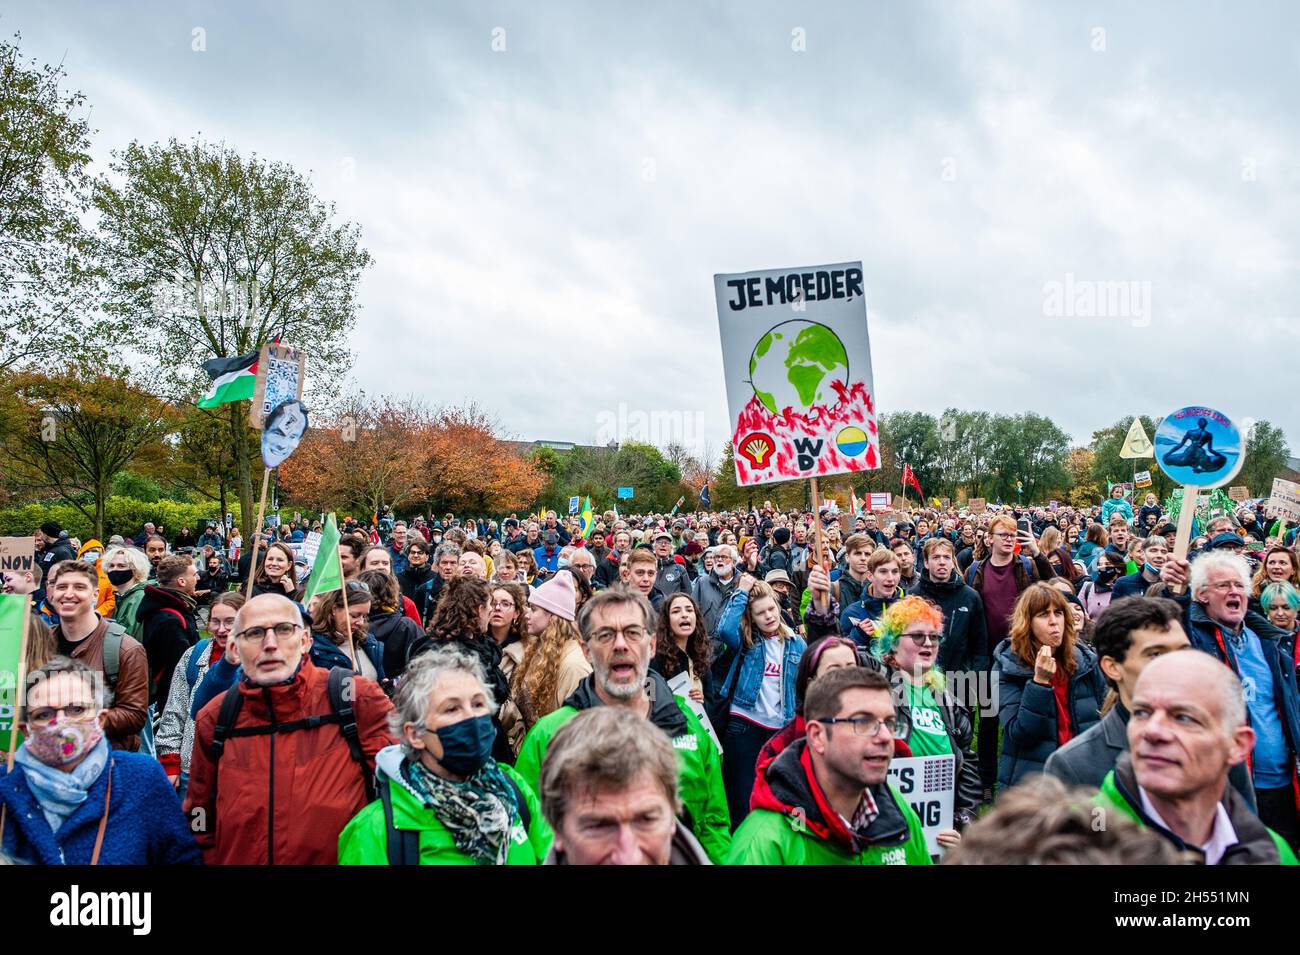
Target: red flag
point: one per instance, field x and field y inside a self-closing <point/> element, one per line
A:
<point x="910" y="479"/>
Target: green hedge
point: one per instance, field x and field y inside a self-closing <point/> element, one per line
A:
<point x="122" y="515"/>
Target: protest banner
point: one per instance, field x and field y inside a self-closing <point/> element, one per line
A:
<point x="281" y="372"/>
<point x="625" y="493"/>
<point x="797" y="364"/>
<point x="17" y="554"/>
<point x="310" y="547"/>
<point x="1239" y="492"/>
<point x="879" y="501"/>
<point x="1142" y="479"/>
<point x="1284" y="501"/>
<point x="928" y="784"/>
<point x="977" y="505"/>
<point x="681" y="687"/>
<point x="1201" y="449"/>
<point x="573" y="505"/>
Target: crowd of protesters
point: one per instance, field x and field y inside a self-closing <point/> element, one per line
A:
<point x="671" y="689"/>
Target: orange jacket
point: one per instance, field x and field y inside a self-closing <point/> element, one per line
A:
<point x="250" y="811"/>
<point x="107" y="599"/>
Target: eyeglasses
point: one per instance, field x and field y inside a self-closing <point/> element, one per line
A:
<point x="1004" y="535"/>
<point x="257" y="634"/>
<point x="921" y="639"/>
<point x="47" y="714"/>
<point x="865" y="725"/>
<point x="503" y="605"/>
<point x="607" y="635"/>
<point x="1227" y="586"/>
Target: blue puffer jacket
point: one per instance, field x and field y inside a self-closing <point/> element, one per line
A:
<point x="145" y="822"/>
<point x="1027" y="710"/>
<point x="746" y="675"/>
<point x="866" y="608"/>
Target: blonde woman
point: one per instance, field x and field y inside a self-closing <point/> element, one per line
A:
<point x="553" y="663"/>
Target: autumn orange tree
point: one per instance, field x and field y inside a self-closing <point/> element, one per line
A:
<point x="368" y="454"/>
<point x="72" y="432"/>
<point x="377" y="452"/>
<point x="470" y="469"/>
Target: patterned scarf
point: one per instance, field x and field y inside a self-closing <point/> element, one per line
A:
<point x="479" y="813"/>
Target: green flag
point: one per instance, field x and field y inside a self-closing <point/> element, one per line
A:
<point x="12" y="609"/>
<point x="326" y="573"/>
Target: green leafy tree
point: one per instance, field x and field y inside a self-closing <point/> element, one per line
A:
<point x="1266" y="456"/>
<point x="1107" y="465"/>
<point x="47" y="274"/>
<point x="212" y="255"/>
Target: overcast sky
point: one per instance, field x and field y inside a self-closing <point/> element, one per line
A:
<point x="546" y="219"/>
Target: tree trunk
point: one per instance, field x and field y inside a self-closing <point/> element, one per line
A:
<point x="245" y="481"/>
<point x="101" y="495"/>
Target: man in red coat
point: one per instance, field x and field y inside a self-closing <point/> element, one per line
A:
<point x="276" y="792"/>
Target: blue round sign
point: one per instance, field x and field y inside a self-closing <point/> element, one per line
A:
<point x="1199" y="446"/>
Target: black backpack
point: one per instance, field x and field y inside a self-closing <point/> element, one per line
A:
<point x="404" y="844"/>
<point x="342" y="713"/>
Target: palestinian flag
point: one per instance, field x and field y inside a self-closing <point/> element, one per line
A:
<point x="232" y="379"/>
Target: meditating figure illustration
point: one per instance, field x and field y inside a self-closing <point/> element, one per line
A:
<point x="1196" y="451"/>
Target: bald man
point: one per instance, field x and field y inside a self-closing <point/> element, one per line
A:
<point x="1186" y="730"/>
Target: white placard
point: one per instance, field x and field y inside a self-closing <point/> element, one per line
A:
<point x="928" y="784"/>
<point x="681" y="686"/>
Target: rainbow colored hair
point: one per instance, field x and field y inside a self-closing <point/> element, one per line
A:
<point x="897" y="617"/>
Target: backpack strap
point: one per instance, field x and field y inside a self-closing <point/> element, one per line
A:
<point x="192" y="664"/>
<point x="231" y="703"/>
<point x="112" y="657"/>
<point x="525" y="815"/>
<point x="341" y="705"/>
<point x="403" y="844"/>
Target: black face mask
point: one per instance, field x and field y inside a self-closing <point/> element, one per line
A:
<point x="118" y="577"/>
<point x="1107" y="574"/>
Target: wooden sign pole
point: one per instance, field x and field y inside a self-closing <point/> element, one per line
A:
<point x="257" y="535"/>
<point x="817" y="524"/>
<point x="1186" y="514"/>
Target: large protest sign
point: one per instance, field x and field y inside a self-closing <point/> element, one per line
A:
<point x="1239" y="492"/>
<point x="977" y="505"/>
<point x="17" y="554"/>
<point x="797" y="362"/>
<point x="281" y="371"/>
<point x="1143" y="479"/>
<point x="928" y="784"/>
<point x="879" y="501"/>
<point x="1136" y="443"/>
<point x="1284" y="502"/>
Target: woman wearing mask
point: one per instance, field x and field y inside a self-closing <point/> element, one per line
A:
<point x="275" y="576"/>
<point x="930" y="720"/>
<point x="127" y="570"/>
<point x="443" y="800"/>
<point x="1057" y="555"/>
<point x="329" y="633"/>
<point x="760" y="683"/>
<point x="395" y="631"/>
<point x="70" y="799"/>
<point x="174" y="737"/>
<point x="1095" y="595"/>
<point x="1049" y="685"/>
<point x="92" y="552"/>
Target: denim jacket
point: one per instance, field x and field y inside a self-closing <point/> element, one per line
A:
<point x="747" y="677"/>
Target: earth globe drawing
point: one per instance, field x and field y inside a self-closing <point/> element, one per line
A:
<point x="793" y="365"/>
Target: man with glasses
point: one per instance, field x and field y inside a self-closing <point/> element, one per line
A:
<point x="617" y="628"/>
<point x="826" y="799"/>
<point x="712" y="590"/>
<point x="295" y="744"/>
<point x="1219" y="621"/>
<point x="584" y="563"/>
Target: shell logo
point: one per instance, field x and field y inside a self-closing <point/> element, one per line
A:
<point x="757" y="449"/>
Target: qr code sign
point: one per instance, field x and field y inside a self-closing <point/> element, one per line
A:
<point x="281" y="383"/>
<point x="940" y="774"/>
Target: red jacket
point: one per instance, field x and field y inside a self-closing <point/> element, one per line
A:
<point x="289" y="813"/>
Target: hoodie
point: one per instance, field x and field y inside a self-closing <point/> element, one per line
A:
<point x="793" y="823"/>
<point x="699" y="776"/>
<point x="866" y="608"/>
<point x="168" y="629"/>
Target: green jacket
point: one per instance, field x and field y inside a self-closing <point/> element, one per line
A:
<point x="1257" y="844"/>
<point x="364" y="841"/>
<point x="699" y="766"/>
<point x="126" y="608"/>
<point x="770" y="838"/>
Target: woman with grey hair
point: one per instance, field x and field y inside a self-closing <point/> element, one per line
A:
<point x="443" y="800"/>
<point x="127" y="569"/>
